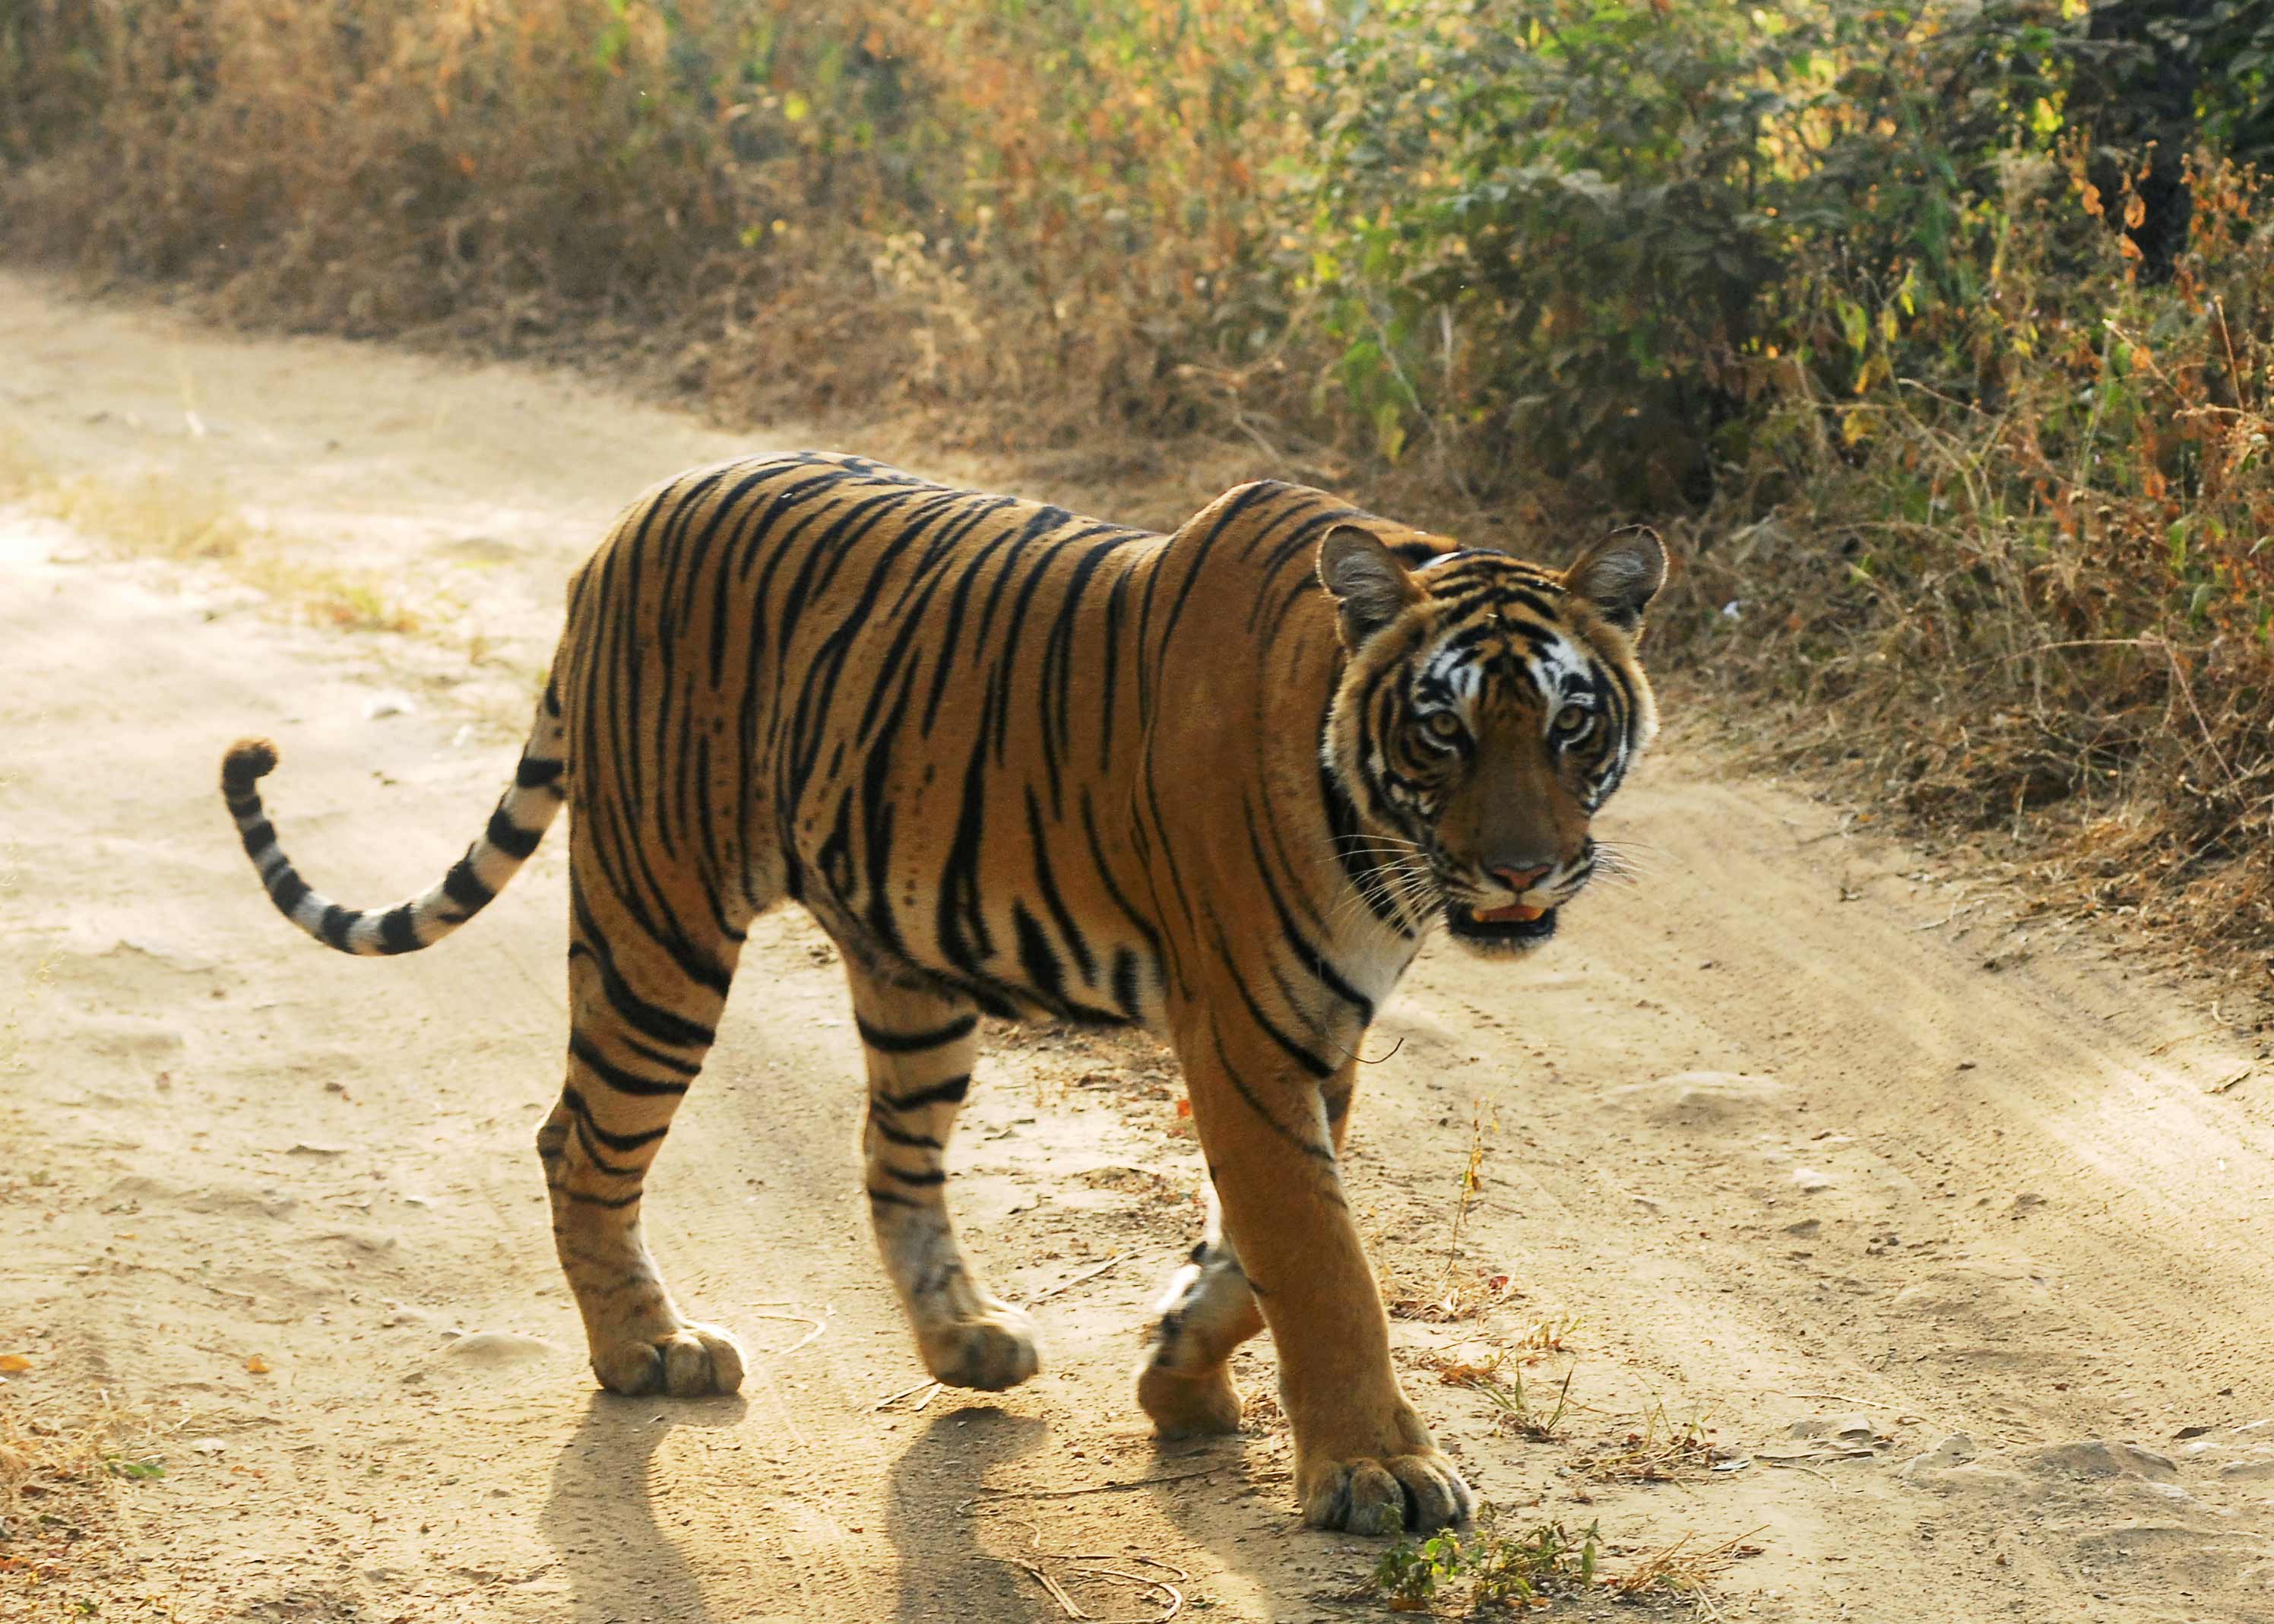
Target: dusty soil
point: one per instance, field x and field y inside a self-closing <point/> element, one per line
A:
<point x="1943" y="1228"/>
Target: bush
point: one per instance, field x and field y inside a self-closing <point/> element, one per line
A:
<point x="1580" y="229"/>
<point x="1911" y="317"/>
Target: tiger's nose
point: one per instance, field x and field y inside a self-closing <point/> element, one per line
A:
<point x="1522" y="880"/>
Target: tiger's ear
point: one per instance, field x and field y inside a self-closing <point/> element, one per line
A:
<point x="1366" y="579"/>
<point x="1619" y="575"/>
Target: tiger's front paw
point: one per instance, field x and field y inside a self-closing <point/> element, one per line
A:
<point x="1380" y="1495"/>
<point x="990" y="1350"/>
<point x="1202" y="1404"/>
<point x="686" y="1362"/>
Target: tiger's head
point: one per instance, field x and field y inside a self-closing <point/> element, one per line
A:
<point x="1487" y="709"/>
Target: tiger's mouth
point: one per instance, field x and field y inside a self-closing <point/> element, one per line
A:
<point x="1518" y="925"/>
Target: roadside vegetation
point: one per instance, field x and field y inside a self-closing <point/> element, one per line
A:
<point x="1935" y="336"/>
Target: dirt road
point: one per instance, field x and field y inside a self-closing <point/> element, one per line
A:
<point x="1948" y="1235"/>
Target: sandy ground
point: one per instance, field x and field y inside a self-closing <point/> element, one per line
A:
<point x="1945" y="1229"/>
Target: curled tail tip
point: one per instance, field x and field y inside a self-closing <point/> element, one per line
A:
<point x="248" y="760"/>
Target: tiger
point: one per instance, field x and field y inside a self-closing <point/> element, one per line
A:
<point x="1220" y="782"/>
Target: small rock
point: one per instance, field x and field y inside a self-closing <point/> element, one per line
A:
<point x="1811" y="1180"/>
<point x="1855" y="1430"/>
<point x="500" y="1347"/>
<point x="1955" y="1450"/>
<point x="388" y="704"/>
<point x="209" y="1446"/>
<point x="2094" y="1457"/>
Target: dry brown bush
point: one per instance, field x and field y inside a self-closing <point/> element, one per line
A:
<point x="2001" y="554"/>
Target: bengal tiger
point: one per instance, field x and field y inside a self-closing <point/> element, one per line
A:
<point x="1221" y="783"/>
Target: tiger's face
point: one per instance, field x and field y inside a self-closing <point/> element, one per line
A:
<point x="1489" y="708"/>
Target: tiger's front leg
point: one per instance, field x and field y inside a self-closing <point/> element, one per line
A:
<point x="920" y="1047"/>
<point x="1364" y="1459"/>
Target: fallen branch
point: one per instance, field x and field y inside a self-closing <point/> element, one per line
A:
<point x="1097" y="1488"/>
<point x="1057" y="1592"/>
<point x="887" y="1403"/>
<point x="1068" y="1285"/>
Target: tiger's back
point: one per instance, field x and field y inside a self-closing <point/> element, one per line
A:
<point x="924" y="713"/>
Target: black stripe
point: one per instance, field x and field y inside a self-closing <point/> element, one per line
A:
<point x="534" y="772"/>
<point x="574" y="1102"/>
<point x="908" y="1043"/>
<point x="1255" y="1104"/>
<point x="1045" y="973"/>
<point x="465" y="887"/>
<point x="615" y="1202"/>
<point x="664" y="1026"/>
<point x="288" y="890"/>
<point x="259" y="837"/>
<point x="615" y="1076"/>
<point x="901" y="1136"/>
<point x="593" y="1159"/>
<point x="1124" y="983"/>
<point x="930" y="1176"/>
<point x="885" y="1197"/>
<point x="397" y="934"/>
<point x="948" y="1093"/>
<point x="669" y="1063"/>
<point x="510" y="836"/>
<point x="1295" y="1051"/>
<point x="1061" y="916"/>
<point x="1305" y="952"/>
<point x="335" y="924"/>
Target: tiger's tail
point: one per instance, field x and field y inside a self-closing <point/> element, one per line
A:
<point x="523" y="813"/>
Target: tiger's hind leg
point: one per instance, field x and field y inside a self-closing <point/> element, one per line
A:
<point x="1184" y="1383"/>
<point x="641" y="1013"/>
<point x="920" y="1047"/>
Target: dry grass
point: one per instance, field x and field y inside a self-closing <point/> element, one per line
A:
<point x="1658" y="1449"/>
<point x="1685" y="1569"/>
<point x="2044" y="615"/>
<point x="154" y="515"/>
<point x="931" y="198"/>
<point x="2002" y="559"/>
<point x="1449" y="1298"/>
<point x="61" y="1484"/>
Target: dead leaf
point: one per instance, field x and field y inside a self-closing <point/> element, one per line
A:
<point x="13" y="1362"/>
<point x="258" y="1365"/>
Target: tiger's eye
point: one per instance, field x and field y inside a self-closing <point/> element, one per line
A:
<point x="1570" y="720"/>
<point x="1442" y="726"/>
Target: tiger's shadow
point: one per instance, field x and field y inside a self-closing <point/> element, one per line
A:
<point x="945" y="1572"/>
<point x="599" y="1514"/>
